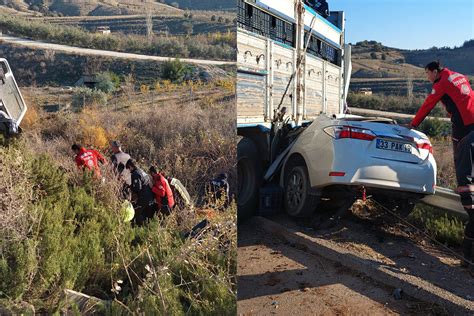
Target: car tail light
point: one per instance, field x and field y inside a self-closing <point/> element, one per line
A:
<point x="339" y="132"/>
<point x="424" y="144"/>
<point x="337" y="174"/>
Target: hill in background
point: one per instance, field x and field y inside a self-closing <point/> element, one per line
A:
<point x="371" y="59"/>
<point x="88" y="7"/>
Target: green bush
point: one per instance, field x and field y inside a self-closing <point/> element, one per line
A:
<point x="85" y="96"/>
<point x="435" y="128"/>
<point x="77" y="241"/>
<point x="105" y="83"/>
<point x="446" y="229"/>
<point x="175" y="70"/>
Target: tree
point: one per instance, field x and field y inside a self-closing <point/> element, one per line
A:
<point x="384" y="56"/>
<point x="188" y="28"/>
<point x="174" y="70"/>
<point x="373" y="55"/>
<point x="213" y="18"/>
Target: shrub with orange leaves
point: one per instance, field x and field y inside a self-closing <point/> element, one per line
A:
<point x="91" y="132"/>
<point x="94" y="136"/>
<point x="31" y="118"/>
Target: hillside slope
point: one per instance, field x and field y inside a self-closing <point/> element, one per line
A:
<point x="459" y="59"/>
<point x="90" y="7"/>
<point x="373" y="60"/>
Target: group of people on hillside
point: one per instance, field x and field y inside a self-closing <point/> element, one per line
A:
<point x="149" y="194"/>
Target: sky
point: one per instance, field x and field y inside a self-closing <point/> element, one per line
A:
<point x="408" y="24"/>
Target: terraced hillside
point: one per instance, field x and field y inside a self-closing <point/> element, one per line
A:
<point x="175" y="24"/>
<point x="89" y="7"/>
<point x="395" y="86"/>
<point x="392" y="71"/>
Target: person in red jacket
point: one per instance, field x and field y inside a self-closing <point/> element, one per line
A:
<point x="454" y="91"/>
<point x="162" y="190"/>
<point x="88" y="159"/>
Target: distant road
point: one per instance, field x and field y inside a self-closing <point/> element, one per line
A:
<point x="105" y="53"/>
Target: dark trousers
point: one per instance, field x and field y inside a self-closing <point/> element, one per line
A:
<point x="144" y="213"/>
<point x="463" y="162"/>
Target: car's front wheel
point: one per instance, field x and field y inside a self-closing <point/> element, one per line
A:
<point x="297" y="198"/>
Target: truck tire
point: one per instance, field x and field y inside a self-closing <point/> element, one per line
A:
<point x="298" y="201"/>
<point x="249" y="170"/>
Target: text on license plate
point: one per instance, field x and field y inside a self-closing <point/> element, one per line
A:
<point x="389" y="145"/>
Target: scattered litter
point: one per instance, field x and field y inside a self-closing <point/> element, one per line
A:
<point x="397" y="294"/>
<point x="197" y="229"/>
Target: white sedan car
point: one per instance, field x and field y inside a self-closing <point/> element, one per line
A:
<point x="336" y="160"/>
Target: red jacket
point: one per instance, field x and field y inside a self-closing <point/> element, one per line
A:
<point x="162" y="189"/>
<point x="89" y="158"/>
<point x="454" y="91"/>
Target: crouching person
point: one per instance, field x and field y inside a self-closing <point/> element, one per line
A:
<point x="142" y="196"/>
<point x="219" y="189"/>
<point x="163" y="193"/>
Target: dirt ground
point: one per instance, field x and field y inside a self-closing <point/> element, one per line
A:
<point x="380" y="238"/>
<point x="277" y="279"/>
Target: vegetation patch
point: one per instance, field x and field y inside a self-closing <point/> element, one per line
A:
<point x="62" y="229"/>
<point x="445" y="228"/>
<point x="206" y="46"/>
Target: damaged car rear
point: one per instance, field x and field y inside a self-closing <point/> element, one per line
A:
<point x="334" y="161"/>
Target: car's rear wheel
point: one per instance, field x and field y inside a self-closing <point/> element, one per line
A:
<point x="298" y="200"/>
<point x="249" y="171"/>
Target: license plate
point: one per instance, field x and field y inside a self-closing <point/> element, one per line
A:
<point x="394" y="146"/>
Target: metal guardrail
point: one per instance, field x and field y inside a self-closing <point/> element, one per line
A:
<point x="447" y="200"/>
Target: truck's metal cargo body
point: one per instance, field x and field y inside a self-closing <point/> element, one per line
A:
<point x="271" y="35"/>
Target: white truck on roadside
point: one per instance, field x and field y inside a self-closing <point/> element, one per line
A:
<point x="293" y="78"/>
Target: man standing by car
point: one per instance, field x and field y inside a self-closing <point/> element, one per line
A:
<point x="454" y="91"/>
<point x="142" y="196"/>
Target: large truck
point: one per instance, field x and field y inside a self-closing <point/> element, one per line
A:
<point x="293" y="78"/>
<point x="12" y="105"/>
<point x="292" y="62"/>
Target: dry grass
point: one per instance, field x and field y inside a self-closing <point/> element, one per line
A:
<point x="187" y="133"/>
<point x="443" y="153"/>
